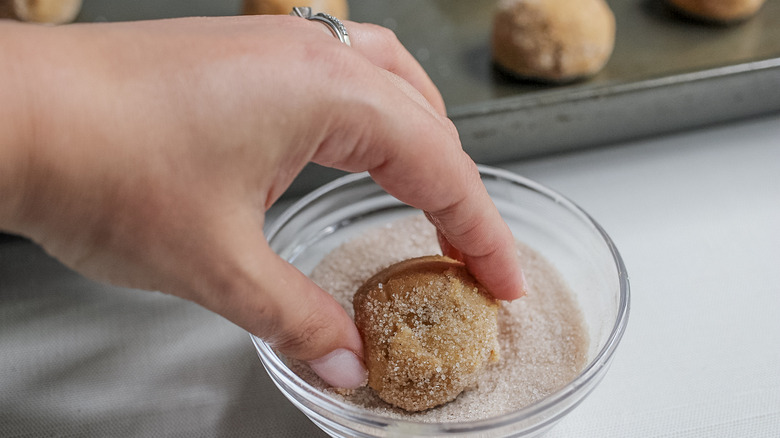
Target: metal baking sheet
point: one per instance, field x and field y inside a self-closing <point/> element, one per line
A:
<point x="667" y="73"/>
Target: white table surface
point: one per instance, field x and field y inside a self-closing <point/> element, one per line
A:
<point x="695" y="215"/>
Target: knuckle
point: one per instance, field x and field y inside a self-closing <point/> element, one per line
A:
<point x="452" y="131"/>
<point x="304" y="339"/>
<point x="385" y="35"/>
<point x="336" y="65"/>
<point x="389" y="45"/>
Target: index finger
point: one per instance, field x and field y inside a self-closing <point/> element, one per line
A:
<point x="469" y="226"/>
<point x="414" y="153"/>
<point x="424" y="165"/>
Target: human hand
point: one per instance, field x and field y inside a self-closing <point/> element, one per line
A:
<point x="151" y="151"/>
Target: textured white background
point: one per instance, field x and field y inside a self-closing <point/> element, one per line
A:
<point x="696" y="217"/>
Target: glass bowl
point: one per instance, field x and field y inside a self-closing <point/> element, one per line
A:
<point x="552" y="225"/>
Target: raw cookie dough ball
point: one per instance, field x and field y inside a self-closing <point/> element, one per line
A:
<point x="429" y="330"/>
<point x="553" y="40"/>
<point x="41" y="11"/>
<point x="337" y="8"/>
<point x="723" y="11"/>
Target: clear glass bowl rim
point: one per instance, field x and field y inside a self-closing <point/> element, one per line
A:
<point x="590" y="374"/>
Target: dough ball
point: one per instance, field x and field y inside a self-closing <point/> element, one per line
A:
<point x="553" y="40"/>
<point x="41" y="11"/>
<point x="337" y="8"/>
<point x="429" y="330"/>
<point x="723" y="11"/>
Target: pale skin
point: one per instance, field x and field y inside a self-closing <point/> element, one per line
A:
<point x="146" y="154"/>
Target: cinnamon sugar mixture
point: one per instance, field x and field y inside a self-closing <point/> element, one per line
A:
<point x="542" y="336"/>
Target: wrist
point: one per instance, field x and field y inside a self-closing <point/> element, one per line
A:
<point x="17" y="126"/>
<point x="32" y="152"/>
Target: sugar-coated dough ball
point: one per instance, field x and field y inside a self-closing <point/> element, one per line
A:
<point x="429" y="330"/>
<point x="718" y="10"/>
<point x="553" y="40"/>
<point x="337" y="8"/>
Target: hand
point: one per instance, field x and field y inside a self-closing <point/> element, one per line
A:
<point x="150" y="152"/>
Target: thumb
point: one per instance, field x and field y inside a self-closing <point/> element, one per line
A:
<point x="279" y="304"/>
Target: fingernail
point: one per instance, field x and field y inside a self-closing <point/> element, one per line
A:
<point x="524" y="287"/>
<point x="521" y="288"/>
<point x="341" y="368"/>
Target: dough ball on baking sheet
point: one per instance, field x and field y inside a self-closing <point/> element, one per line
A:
<point x="552" y="40"/>
<point x="337" y="8"/>
<point x="720" y="11"/>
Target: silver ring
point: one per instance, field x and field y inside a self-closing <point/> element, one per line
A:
<point x="334" y="24"/>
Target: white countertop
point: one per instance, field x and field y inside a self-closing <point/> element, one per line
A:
<point x="695" y="215"/>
